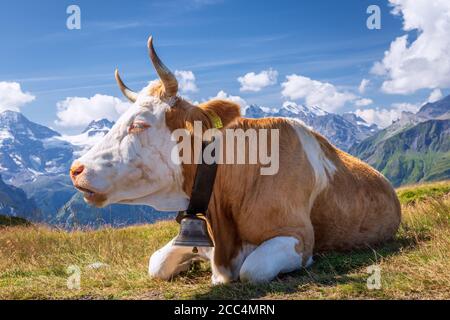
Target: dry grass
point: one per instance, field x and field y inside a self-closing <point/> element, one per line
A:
<point x="34" y="261"/>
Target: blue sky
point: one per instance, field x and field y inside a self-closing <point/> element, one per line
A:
<point x="219" y="41"/>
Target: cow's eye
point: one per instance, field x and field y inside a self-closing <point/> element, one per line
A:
<point x="137" y="127"/>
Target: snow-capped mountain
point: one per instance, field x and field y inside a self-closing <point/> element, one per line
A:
<point x="97" y="127"/>
<point x="90" y="136"/>
<point x="342" y="130"/>
<point x="28" y="150"/>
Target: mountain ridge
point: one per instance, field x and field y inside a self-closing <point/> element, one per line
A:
<point x="413" y="149"/>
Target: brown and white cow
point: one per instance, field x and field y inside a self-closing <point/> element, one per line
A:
<point x="262" y="225"/>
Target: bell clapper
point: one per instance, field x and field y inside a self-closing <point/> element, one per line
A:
<point x="194" y="250"/>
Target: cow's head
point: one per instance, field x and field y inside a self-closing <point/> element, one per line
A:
<point x="133" y="163"/>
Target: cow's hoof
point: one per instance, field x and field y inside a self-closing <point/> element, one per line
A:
<point x="156" y="269"/>
<point x="219" y="279"/>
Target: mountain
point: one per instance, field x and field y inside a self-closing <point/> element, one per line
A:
<point x="436" y="110"/>
<point x="96" y="127"/>
<point x="29" y="150"/>
<point x="342" y="130"/>
<point x="92" y="134"/>
<point x="14" y="202"/>
<point x="50" y="193"/>
<point x="413" y="149"/>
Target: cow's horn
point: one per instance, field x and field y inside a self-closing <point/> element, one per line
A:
<point x="168" y="79"/>
<point x="131" y="95"/>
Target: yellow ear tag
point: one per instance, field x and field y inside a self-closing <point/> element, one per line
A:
<point x="215" y="119"/>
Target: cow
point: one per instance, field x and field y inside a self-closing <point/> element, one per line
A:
<point x="320" y="199"/>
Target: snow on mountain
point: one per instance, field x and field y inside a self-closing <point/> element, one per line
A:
<point x="90" y="136"/>
<point x="28" y="150"/>
<point x="96" y="127"/>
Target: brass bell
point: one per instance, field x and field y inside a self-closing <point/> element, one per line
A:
<point x="193" y="233"/>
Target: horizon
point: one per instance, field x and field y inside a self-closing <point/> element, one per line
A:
<point x="314" y="54"/>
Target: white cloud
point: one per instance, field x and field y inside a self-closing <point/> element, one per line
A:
<point x="236" y="99"/>
<point x="12" y="97"/>
<point x="435" y="95"/>
<point x="315" y="93"/>
<point x="257" y="81"/>
<point x="384" y="117"/>
<point x="424" y="62"/>
<point x="363" y="85"/>
<point x="186" y="81"/>
<point x="363" y="102"/>
<point x="79" y="112"/>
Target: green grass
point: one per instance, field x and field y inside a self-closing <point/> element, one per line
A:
<point x="34" y="262"/>
<point x="420" y="192"/>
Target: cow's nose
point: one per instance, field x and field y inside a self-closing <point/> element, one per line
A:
<point x="76" y="170"/>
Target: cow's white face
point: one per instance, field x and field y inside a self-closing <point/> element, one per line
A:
<point x="132" y="164"/>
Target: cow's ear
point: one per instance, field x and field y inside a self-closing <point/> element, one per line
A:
<point x="226" y="110"/>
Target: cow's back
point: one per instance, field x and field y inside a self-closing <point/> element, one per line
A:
<point x="358" y="208"/>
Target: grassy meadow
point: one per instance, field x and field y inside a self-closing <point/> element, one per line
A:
<point x="34" y="262"/>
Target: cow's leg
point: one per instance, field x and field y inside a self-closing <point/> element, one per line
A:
<point x="272" y="257"/>
<point x="221" y="275"/>
<point x="170" y="260"/>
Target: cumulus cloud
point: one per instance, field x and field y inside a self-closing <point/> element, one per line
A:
<point x="236" y="99"/>
<point x="425" y="61"/>
<point x="186" y="81"/>
<point x="435" y="95"/>
<point x="363" y="85"/>
<point x="363" y="102"/>
<point x="79" y="111"/>
<point x="12" y="97"/>
<point x="384" y="117"/>
<point x="315" y="93"/>
<point x="257" y="81"/>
